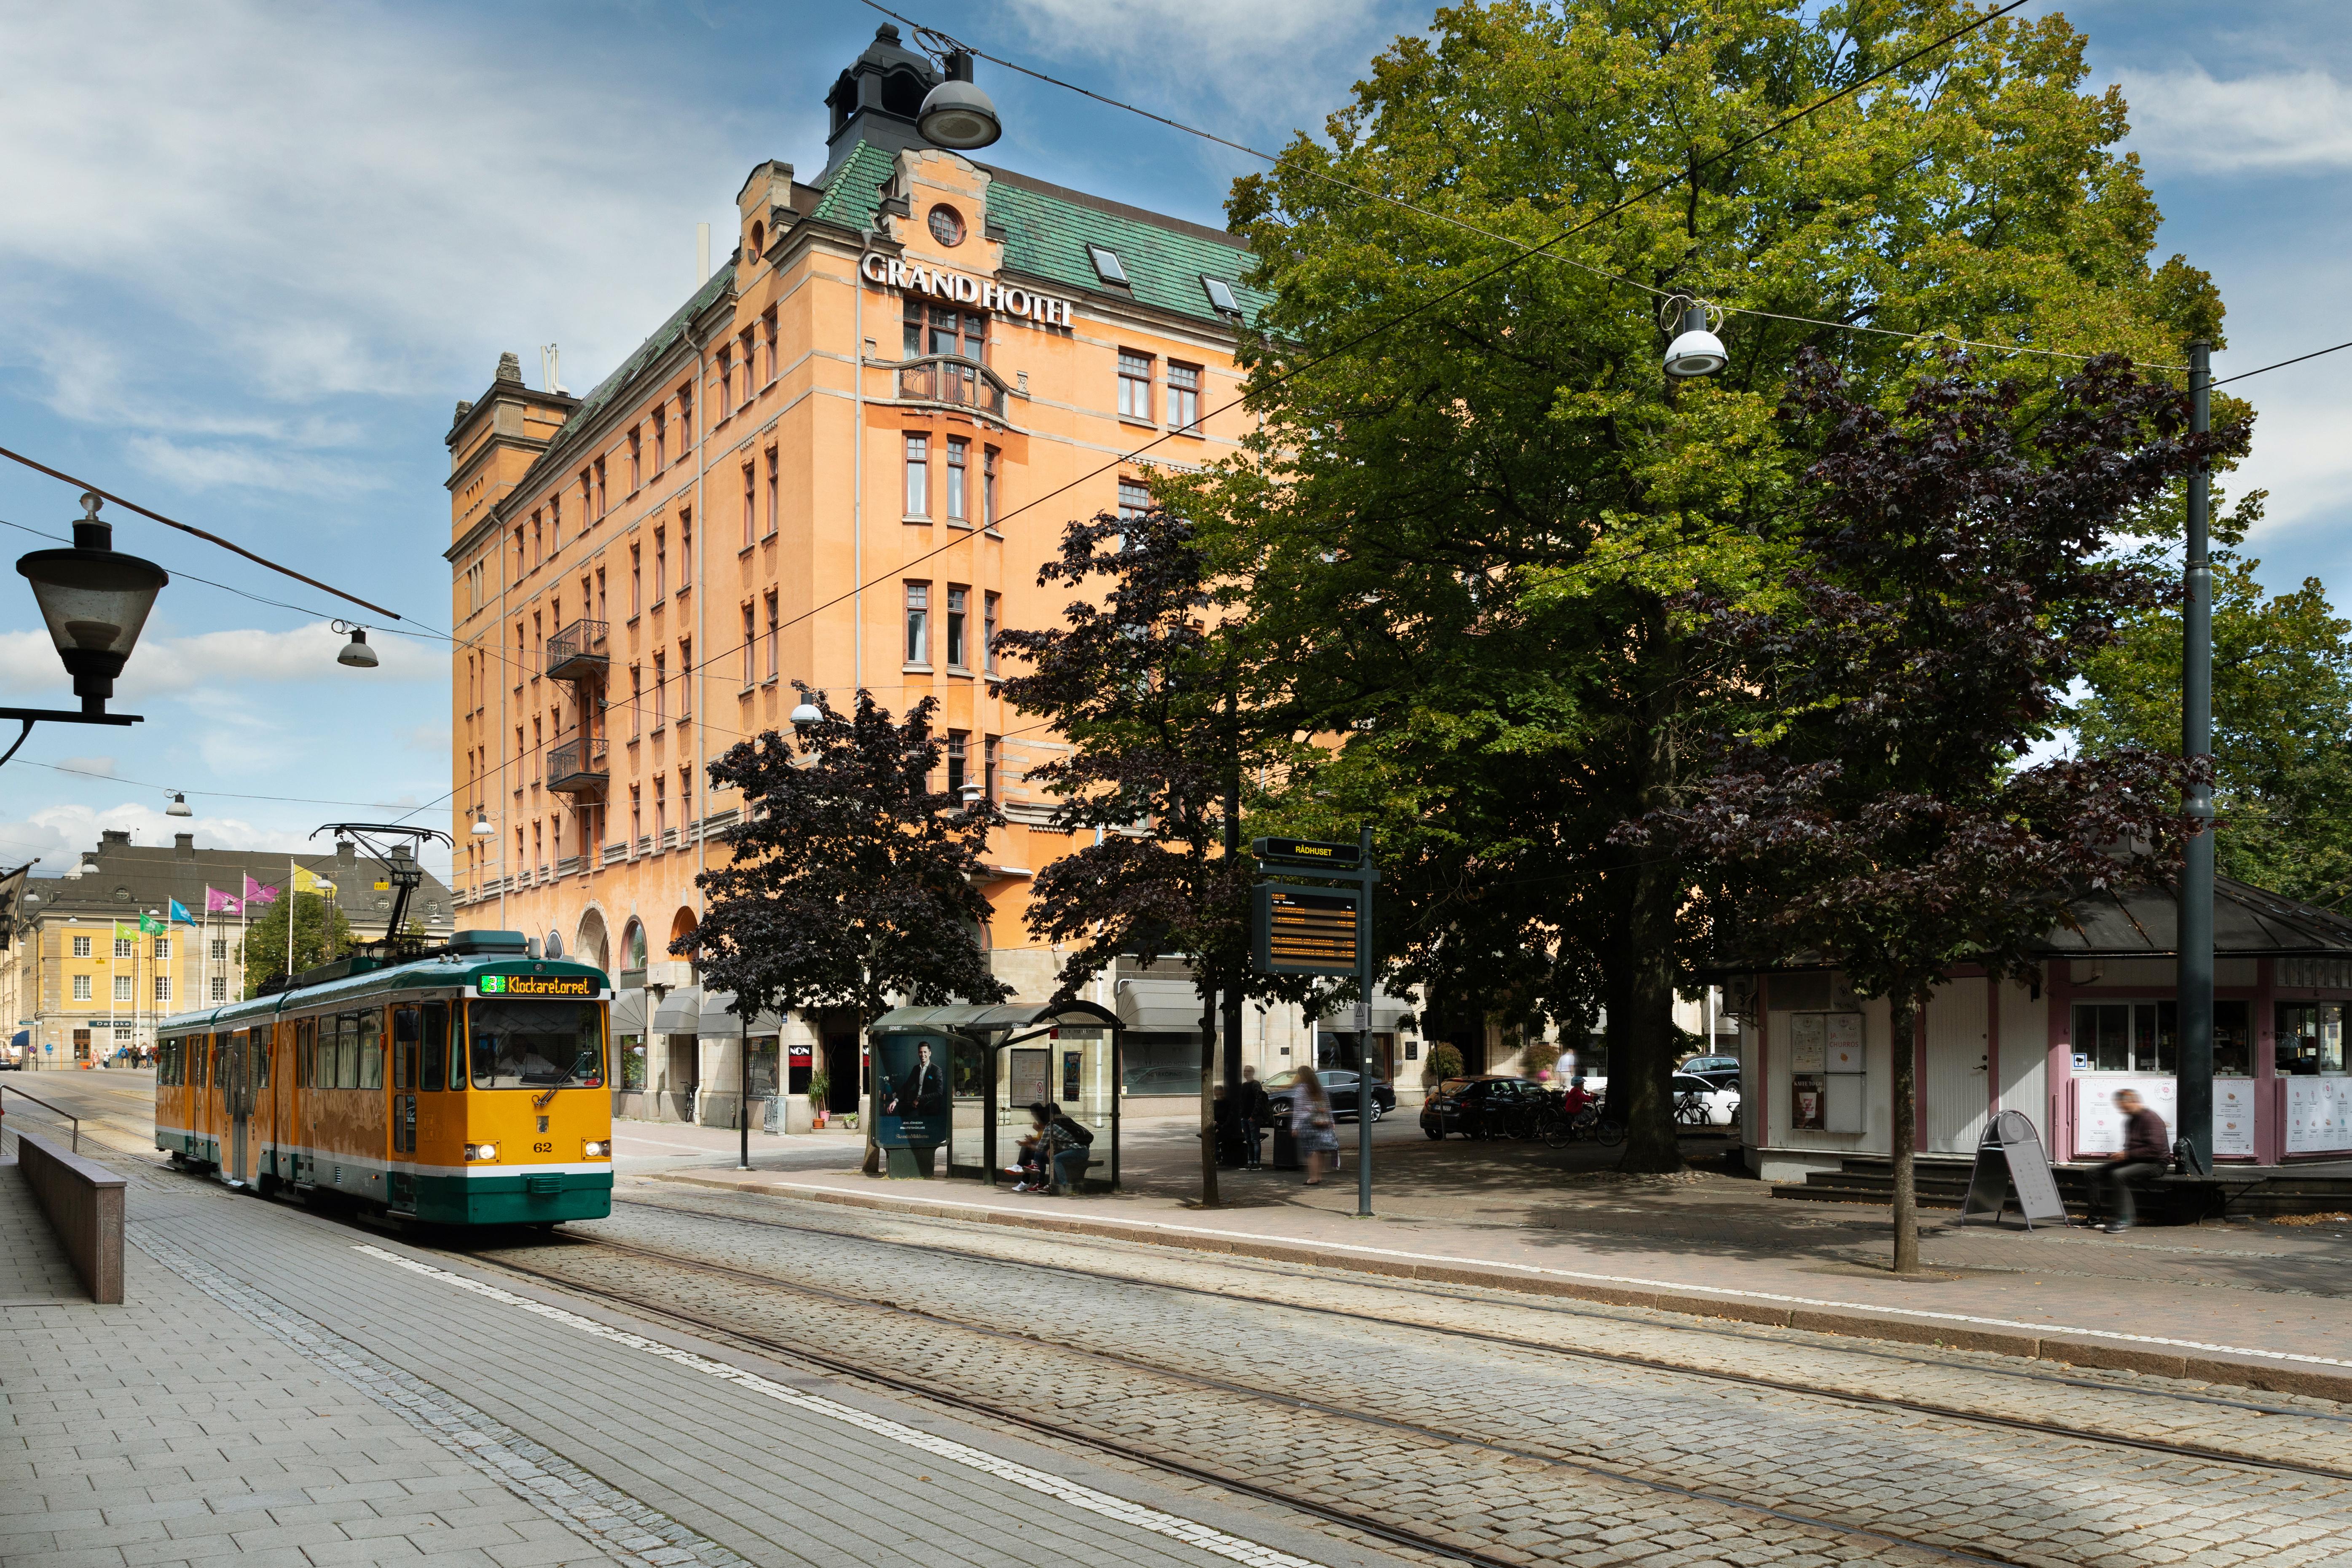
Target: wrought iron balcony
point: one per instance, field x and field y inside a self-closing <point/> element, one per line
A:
<point x="577" y="652"/>
<point x="949" y="378"/>
<point x="579" y="767"/>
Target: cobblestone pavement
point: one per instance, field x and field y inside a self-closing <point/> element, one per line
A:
<point x="1962" y="1486"/>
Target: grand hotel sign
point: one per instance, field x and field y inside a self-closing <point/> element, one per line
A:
<point x="891" y="272"/>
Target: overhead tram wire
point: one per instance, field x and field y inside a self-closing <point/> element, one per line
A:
<point x="1469" y="227"/>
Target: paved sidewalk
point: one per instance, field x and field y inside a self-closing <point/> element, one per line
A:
<point x="34" y="1267"/>
<point x="2249" y="1304"/>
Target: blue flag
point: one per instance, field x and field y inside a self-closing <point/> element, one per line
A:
<point x="179" y="911"/>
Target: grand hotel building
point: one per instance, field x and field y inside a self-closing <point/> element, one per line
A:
<point x="820" y="468"/>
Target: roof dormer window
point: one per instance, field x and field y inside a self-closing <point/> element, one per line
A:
<point x="1108" y="266"/>
<point x="1221" y="296"/>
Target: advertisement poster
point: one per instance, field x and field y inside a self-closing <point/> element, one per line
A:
<point x="1808" y="1102"/>
<point x="1844" y="1042"/>
<point x="2099" y="1126"/>
<point x="1807" y="1044"/>
<point x="2233" y="1116"/>
<point x="913" y="1091"/>
<point x="2318" y="1115"/>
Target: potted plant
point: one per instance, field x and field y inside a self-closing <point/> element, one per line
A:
<point x="819" y="1087"/>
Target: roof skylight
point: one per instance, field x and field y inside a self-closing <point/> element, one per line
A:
<point x="1108" y="266"/>
<point x="1220" y="295"/>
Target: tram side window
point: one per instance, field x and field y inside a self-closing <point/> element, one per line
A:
<point x="372" y="1050"/>
<point x="434" y="1060"/>
<point x="220" y="1062"/>
<point x="345" y="1048"/>
<point x="302" y="1038"/>
<point x="169" y="1050"/>
<point x="265" y="1041"/>
<point x="404" y="1047"/>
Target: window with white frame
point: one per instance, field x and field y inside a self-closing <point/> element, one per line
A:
<point x="126" y="947"/>
<point x="1134" y="500"/>
<point x="919" y="622"/>
<point x="957" y="448"/>
<point x="220" y="988"/>
<point x="918" y="473"/>
<point x="163" y="988"/>
<point x="123" y="988"/>
<point x="81" y="987"/>
<point x="81" y="947"/>
<point x="956" y="600"/>
<point x="1108" y="266"/>
<point x="1134" y="384"/>
<point x="1184" y="397"/>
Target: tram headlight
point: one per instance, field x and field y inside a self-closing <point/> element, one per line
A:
<point x="481" y="1151"/>
<point x="597" y="1149"/>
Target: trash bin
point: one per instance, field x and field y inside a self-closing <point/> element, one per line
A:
<point x="1286" y="1149"/>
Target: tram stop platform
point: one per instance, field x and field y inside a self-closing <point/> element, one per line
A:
<point x="34" y="1267"/>
<point x="2266" y="1304"/>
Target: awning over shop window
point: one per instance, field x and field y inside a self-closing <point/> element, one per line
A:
<point x="1160" y="1006"/>
<point x="720" y="1022"/>
<point x="680" y="1012"/>
<point x="629" y="1013"/>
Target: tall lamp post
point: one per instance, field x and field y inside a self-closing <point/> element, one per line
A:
<point x="2194" y="986"/>
<point x="94" y="600"/>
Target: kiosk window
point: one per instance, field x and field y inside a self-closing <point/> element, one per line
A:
<point x="2310" y="1037"/>
<point x="2128" y="1037"/>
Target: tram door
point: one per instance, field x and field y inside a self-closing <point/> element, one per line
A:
<point x="238" y="1097"/>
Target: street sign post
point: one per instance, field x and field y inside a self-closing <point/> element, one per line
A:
<point x="1324" y="929"/>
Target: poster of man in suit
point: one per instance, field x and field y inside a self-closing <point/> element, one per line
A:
<point x="914" y="1077"/>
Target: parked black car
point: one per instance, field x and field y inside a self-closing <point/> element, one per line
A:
<point x="1489" y="1106"/>
<point x="1339" y="1085"/>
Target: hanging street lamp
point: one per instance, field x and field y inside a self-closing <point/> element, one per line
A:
<point x="1696" y="351"/>
<point x="356" y="652"/>
<point x="94" y="600"/>
<point x="956" y="113"/>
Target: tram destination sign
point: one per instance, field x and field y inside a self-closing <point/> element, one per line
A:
<point x="537" y="986"/>
<point x="1305" y="930"/>
<point x="1311" y="851"/>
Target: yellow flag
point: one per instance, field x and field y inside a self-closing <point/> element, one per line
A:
<point x="308" y="882"/>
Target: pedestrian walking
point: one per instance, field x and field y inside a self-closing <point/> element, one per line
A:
<point x="1256" y="1108"/>
<point x="2145" y="1150"/>
<point x="1311" y="1122"/>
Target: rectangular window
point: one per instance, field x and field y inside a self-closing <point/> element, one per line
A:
<point x="637" y="580"/>
<point x="220" y="988"/>
<point x="600" y="594"/>
<point x="2310" y="1038"/>
<point x="636" y="814"/>
<point x="768" y="338"/>
<point x="991" y="750"/>
<point x="124" y="947"/>
<point x="918" y="475"/>
<point x="661" y="806"/>
<point x="684" y="417"/>
<point x="919" y="622"/>
<point x="584" y="513"/>
<point x="2233" y="1039"/>
<point x="1184" y="397"/>
<point x="1134" y="500"/>
<point x="988" y="486"/>
<point x="751" y="521"/>
<point x="162" y="950"/>
<point x="750" y="647"/>
<point x="81" y="987"/>
<point x="1134" y="385"/>
<point x="956" y="447"/>
<point x="661" y="563"/>
<point x="988" y="603"/>
<point x="1106" y="264"/>
<point x="81" y="947"/>
<point x="637" y="454"/>
<point x="661" y="438"/>
<point x="958" y="745"/>
<point x="518" y="565"/>
<point x="163" y="988"/>
<point x="636" y="701"/>
<point x="122" y="989"/>
<point x="956" y="597"/>
<point x="555" y="515"/>
<point x="745" y="339"/>
<point x="685" y="677"/>
<point x="685" y="550"/>
<point x="726" y="379"/>
<point x="774" y="636"/>
<point x="220" y="950"/>
<point x="2128" y="1037"/>
<point x="661" y="690"/>
<point x="538" y="541"/>
<point x="773" y="510"/>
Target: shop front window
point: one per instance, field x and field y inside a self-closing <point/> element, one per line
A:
<point x="2233" y="1039"/>
<point x="2126" y="1037"/>
<point x="2310" y="1038"/>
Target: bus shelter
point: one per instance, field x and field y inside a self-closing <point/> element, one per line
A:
<point x="999" y="1058"/>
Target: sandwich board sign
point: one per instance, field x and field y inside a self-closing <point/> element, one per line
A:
<point x="2010" y="1156"/>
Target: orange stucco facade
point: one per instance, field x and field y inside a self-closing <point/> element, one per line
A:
<point x="845" y="425"/>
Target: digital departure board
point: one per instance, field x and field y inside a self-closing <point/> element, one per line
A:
<point x="1304" y="930"/>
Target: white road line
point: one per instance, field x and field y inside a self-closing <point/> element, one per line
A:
<point x="1188" y="1532"/>
<point x="1724" y="1290"/>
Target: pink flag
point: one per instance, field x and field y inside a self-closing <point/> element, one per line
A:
<point x="217" y="902"/>
<point x="258" y="893"/>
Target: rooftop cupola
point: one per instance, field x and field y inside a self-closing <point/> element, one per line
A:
<point x="878" y="99"/>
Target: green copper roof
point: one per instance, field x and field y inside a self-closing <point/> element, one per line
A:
<point x="1046" y="236"/>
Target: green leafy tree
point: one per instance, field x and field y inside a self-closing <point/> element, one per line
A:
<point x="320" y="935"/>
<point x="1469" y="537"/>
<point x="2282" y="724"/>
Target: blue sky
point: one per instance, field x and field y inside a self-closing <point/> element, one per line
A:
<point x="254" y="252"/>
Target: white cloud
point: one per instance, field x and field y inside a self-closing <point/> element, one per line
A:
<point x="211" y="665"/>
<point x="59" y="834"/>
<point x="1253" y="55"/>
<point x="97" y="767"/>
<point x="212" y="466"/>
<point x="327" y="200"/>
<point x="2284" y="120"/>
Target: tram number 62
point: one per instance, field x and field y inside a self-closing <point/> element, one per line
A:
<point x="542" y="1148"/>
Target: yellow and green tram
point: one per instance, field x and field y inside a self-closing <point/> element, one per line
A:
<point x="463" y="1086"/>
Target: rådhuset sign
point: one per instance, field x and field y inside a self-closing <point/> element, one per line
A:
<point x="891" y="272"/>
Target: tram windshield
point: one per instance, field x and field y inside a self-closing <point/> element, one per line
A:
<point x="536" y="1045"/>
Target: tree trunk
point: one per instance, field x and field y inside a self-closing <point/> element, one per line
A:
<point x="1657" y="890"/>
<point x="1208" y="1095"/>
<point x="1902" y="1053"/>
<point x="1233" y="994"/>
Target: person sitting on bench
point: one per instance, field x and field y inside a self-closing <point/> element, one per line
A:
<point x="1068" y="1144"/>
<point x="2145" y="1150"/>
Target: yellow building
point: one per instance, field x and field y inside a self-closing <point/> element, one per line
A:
<point x="840" y="462"/>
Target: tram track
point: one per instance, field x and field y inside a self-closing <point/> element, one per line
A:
<point x="1614" y="1358"/>
<point x="1062" y="1431"/>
